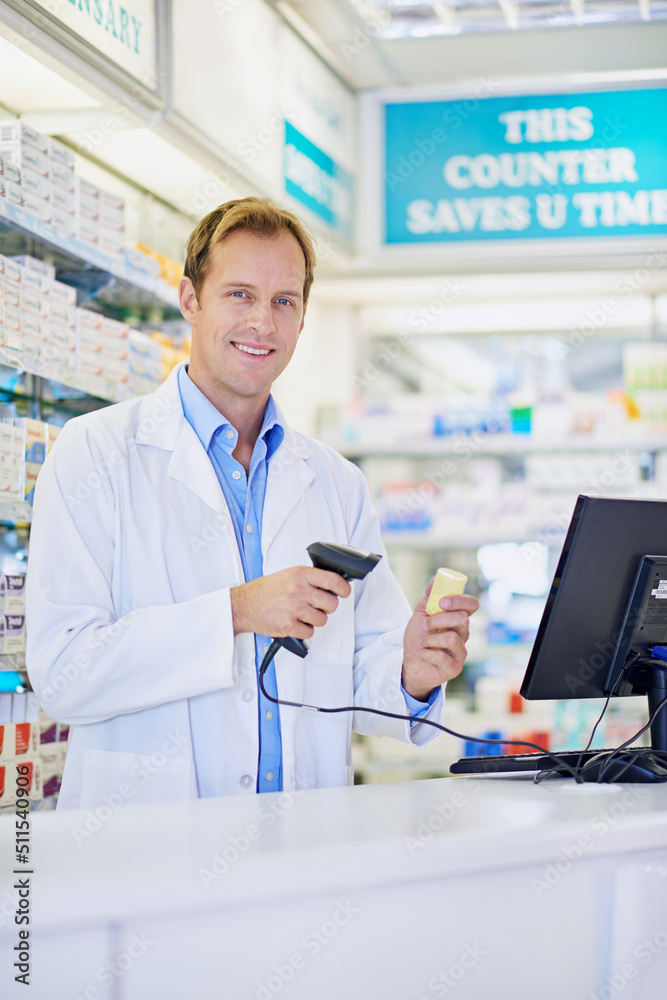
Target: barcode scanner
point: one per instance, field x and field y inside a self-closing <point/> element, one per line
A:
<point x="351" y="564"/>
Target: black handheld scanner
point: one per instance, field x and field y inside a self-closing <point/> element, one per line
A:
<point x="351" y="564"/>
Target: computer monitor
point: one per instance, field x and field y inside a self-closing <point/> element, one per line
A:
<point x="607" y="609"/>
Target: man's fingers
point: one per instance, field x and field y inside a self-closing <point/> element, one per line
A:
<point x="324" y="579"/>
<point x="459" y="602"/>
<point x="457" y="621"/>
<point x="449" y="641"/>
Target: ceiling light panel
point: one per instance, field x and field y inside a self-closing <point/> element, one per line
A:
<point x="427" y="18"/>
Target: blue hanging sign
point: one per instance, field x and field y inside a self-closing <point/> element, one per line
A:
<point x="317" y="181"/>
<point x="526" y="167"/>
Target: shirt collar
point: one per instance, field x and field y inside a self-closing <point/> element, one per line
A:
<point x="205" y="419"/>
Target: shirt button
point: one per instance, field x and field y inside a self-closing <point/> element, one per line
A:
<point x="269" y="715"/>
<point x="236" y="474"/>
<point x="245" y="781"/>
<point x="265" y="650"/>
<point x="230" y="435"/>
<point x="247" y="694"/>
<point x="269" y="776"/>
<point x="248" y="528"/>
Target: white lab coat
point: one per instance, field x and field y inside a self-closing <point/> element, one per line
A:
<point x="132" y="555"/>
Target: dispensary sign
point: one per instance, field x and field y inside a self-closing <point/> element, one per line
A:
<point x="122" y="30"/>
<point x="527" y="167"/>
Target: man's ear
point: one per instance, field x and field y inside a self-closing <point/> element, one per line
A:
<point x="187" y="299"/>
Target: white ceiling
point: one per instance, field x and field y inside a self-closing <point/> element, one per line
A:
<point x="346" y="33"/>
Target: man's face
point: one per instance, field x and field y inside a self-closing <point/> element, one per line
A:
<point x="249" y="315"/>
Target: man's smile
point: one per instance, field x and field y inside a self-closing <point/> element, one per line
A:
<point x="247" y="349"/>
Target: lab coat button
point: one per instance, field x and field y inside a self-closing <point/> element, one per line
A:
<point x="247" y="694"/>
<point x="246" y="781"/>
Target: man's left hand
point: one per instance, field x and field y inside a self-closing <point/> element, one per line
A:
<point x="434" y="648"/>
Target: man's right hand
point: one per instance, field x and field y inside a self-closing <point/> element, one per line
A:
<point x="293" y="602"/>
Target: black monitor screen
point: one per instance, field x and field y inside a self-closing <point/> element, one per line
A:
<point x="585" y="619"/>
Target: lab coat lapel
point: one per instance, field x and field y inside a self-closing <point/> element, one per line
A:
<point x="288" y="478"/>
<point x="163" y="425"/>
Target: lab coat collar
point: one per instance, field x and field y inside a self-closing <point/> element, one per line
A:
<point x="288" y="478"/>
<point x="162" y="424"/>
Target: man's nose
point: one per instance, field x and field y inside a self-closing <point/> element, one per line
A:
<point x="260" y="316"/>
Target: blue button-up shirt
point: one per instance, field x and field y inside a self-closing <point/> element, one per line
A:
<point x="245" y="498"/>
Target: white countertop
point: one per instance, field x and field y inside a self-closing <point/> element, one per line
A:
<point x="145" y="860"/>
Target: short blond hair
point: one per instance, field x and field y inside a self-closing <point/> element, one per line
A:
<point x="259" y="216"/>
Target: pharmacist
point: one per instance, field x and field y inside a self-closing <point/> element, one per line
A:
<point x="169" y="544"/>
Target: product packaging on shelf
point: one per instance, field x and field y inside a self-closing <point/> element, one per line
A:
<point x="35" y="266"/>
<point x="64" y="177"/>
<point x="12" y="593"/>
<point x="9" y="171"/>
<point x="13" y="193"/>
<point x="18" y="131"/>
<point x="12" y="633"/>
<point x="24" y="156"/>
<point x="59" y="154"/>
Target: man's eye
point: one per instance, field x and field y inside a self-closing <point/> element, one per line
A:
<point x="284" y="302"/>
<point x="238" y="293"/>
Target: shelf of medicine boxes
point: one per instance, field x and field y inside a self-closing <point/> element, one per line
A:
<point x="498" y="445"/>
<point x="101" y="282"/>
<point x="118" y="288"/>
<point x="464" y="447"/>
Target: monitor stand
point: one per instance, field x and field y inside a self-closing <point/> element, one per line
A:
<point x="651" y="679"/>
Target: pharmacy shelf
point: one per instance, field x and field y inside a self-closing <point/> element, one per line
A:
<point x="15" y="511"/>
<point x="90" y="385"/>
<point x="467" y="538"/>
<point x="12" y="661"/>
<point x="81" y="265"/>
<point x="464" y="447"/>
<point x="499" y="445"/>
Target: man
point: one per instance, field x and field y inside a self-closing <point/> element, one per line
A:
<point x="154" y="590"/>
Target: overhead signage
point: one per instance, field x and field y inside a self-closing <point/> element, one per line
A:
<point x="538" y="167"/>
<point x="316" y="102"/>
<point x="317" y="181"/>
<point x="122" y="30"/>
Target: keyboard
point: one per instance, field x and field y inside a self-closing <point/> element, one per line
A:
<point x="529" y="762"/>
